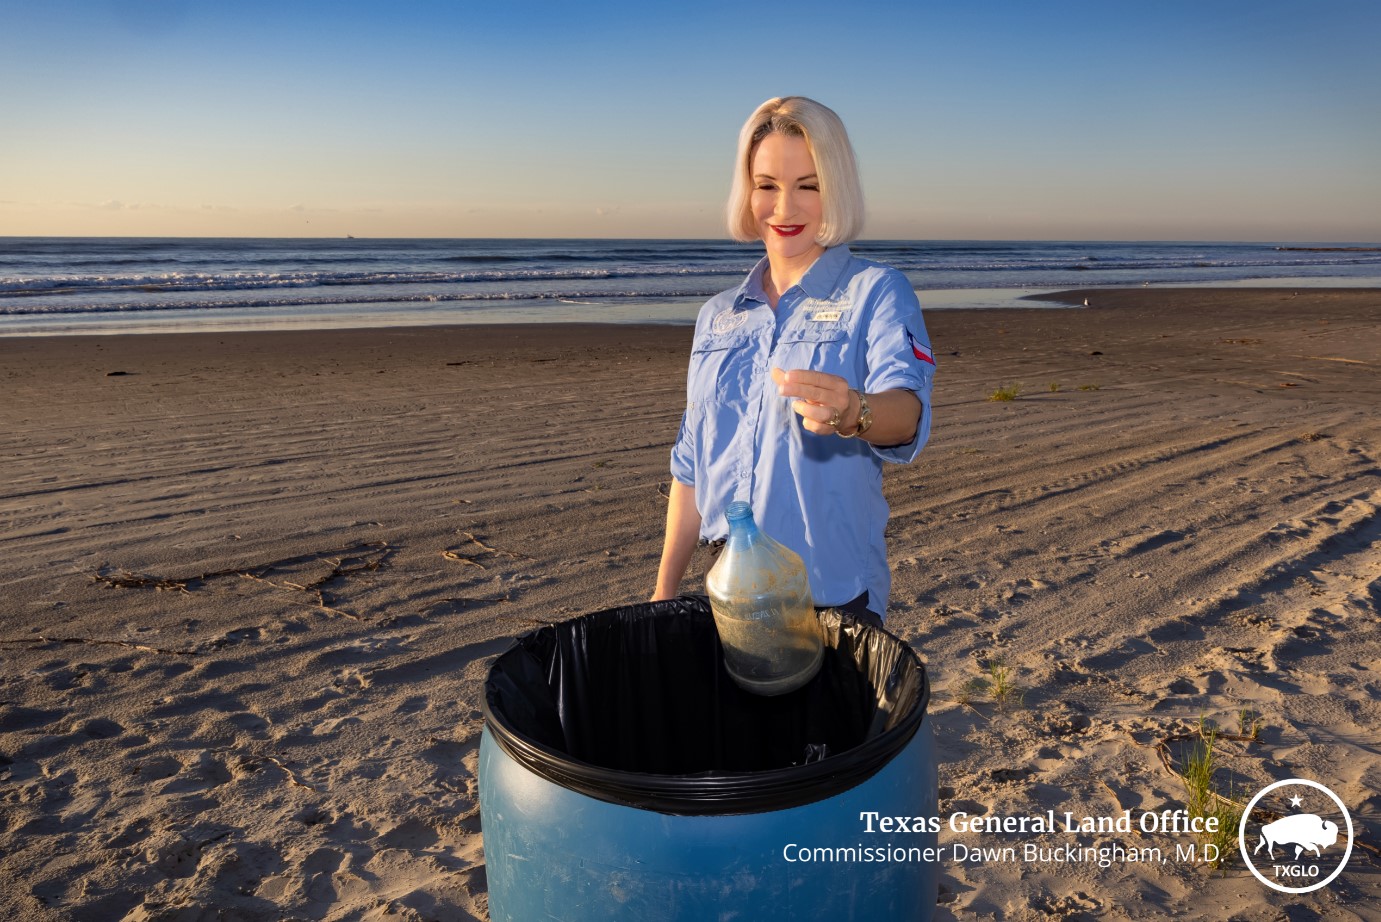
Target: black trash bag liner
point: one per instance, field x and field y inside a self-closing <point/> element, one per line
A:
<point x="633" y="706"/>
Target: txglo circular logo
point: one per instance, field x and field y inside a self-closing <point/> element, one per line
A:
<point x="1295" y="836"/>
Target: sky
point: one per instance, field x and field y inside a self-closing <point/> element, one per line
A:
<point x="1205" y="120"/>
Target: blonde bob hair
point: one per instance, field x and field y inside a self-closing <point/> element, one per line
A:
<point x="841" y="193"/>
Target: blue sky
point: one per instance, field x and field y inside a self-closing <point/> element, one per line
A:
<point x="1208" y="120"/>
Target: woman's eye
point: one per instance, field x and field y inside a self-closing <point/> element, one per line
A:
<point x="765" y="186"/>
<point x="812" y="187"/>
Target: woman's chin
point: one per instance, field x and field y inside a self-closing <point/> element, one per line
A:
<point x="793" y="248"/>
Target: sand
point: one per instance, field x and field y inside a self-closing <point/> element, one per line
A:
<point x="252" y="584"/>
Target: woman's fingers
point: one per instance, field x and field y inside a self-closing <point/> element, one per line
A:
<point x="815" y="415"/>
<point x="819" y="396"/>
<point x="815" y="386"/>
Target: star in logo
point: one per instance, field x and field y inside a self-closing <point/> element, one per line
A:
<point x="1296" y="800"/>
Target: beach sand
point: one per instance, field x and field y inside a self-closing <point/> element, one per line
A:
<point x="252" y="584"/>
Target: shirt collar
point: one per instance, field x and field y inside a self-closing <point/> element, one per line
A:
<point x="820" y="280"/>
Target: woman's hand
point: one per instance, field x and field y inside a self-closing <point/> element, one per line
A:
<point x="820" y="397"/>
<point x="896" y="413"/>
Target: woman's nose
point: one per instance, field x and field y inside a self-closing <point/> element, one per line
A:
<point x="785" y="203"/>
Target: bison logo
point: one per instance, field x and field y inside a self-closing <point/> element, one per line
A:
<point x="1303" y="831"/>
<point x="1305" y="834"/>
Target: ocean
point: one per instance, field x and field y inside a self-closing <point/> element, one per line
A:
<point x="107" y="285"/>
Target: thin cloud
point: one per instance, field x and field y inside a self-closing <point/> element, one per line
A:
<point x="117" y="205"/>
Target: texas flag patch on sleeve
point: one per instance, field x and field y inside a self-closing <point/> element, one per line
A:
<point x="919" y="349"/>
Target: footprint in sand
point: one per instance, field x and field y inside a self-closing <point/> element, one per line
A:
<point x="172" y="854"/>
<point x="1256" y="620"/>
<point x="98" y="728"/>
<point x="1183" y="687"/>
<point x="314" y="815"/>
<point x="161" y="673"/>
<point x="131" y="834"/>
<point x="1078" y="905"/>
<point x="65" y="677"/>
<point x="249" y="722"/>
<point x="322" y="861"/>
<point x="1064" y="721"/>
<point x="351" y="680"/>
<point x="14" y="718"/>
<point x="1247" y="659"/>
<point x="413" y="705"/>
<point x="454" y="757"/>
<point x="220" y="668"/>
<point x="335" y="725"/>
<point x="201" y="771"/>
<point x="1020" y="591"/>
<point x="996" y="638"/>
<point x="155" y="768"/>
<point x="1170" y="697"/>
<point x="1010" y="775"/>
<point x="411" y="835"/>
<point x="238" y="635"/>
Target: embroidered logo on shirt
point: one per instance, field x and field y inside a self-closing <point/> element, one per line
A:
<point x="726" y="321"/>
<point x="825" y="316"/>
<point x="919" y="349"/>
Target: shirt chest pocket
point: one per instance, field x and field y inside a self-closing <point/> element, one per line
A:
<point x="721" y="370"/>
<point x="815" y="347"/>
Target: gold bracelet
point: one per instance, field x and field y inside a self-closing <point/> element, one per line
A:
<point x="865" y="417"/>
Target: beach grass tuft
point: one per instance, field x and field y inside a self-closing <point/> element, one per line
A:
<point x="1249" y="724"/>
<point x="1204" y="800"/>
<point x="970" y="691"/>
<point x="1088" y="387"/>
<point x="998" y="686"/>
<point x="1054" y="387"/>
<point x="1009" y="392"/>
<point x="1223" y="838"/>
<point x="1002" y="686"/>
<point x="1198" y="770"/>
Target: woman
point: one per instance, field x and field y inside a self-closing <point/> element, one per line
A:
<point x="806" y="377"/>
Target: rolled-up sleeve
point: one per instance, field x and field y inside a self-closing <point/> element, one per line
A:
<point x="683" y="452"/>
<point x="899" y="356"/>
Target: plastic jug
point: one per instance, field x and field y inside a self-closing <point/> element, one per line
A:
<point x="760" y="596"/>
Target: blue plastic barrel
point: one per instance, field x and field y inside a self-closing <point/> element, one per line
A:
<point x="623" y="776"/>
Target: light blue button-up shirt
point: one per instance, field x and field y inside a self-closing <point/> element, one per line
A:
<point x="820" y="495"/>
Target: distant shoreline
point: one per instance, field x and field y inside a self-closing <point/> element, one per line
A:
<point x="1328" y="249"/>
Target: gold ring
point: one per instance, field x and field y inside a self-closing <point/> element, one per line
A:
<point x="834" y="419"/>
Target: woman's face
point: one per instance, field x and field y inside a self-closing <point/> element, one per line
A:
<point x="786" y="197"/>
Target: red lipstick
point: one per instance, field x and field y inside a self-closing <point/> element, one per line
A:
<point x="787" y="230"/>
